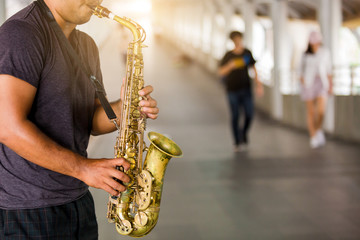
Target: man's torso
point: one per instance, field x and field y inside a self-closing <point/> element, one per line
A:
<point x="239" y="78"/>
<point x="62" y="109"/>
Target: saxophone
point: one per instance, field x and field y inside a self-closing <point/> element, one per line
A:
<point x="135" y="212"/>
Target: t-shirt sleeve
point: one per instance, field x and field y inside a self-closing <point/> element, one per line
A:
<point x="98" y="72"/>
<point x="92" y="53"/>
<point x="96" y="68"/>
<point x="21" y="51"/>
<point x="249" y="59"/>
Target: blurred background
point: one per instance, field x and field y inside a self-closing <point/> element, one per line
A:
<point x="279" y="188"/>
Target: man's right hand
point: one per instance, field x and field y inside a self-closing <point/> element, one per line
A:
<point x="23" y="137"/>
<point x="302" y="81"/>
<point x="102" y="174"/>
<point x="227" y="68"/>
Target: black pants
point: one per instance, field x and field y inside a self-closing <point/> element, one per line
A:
<point x="241" y="100"/>
<point x="72" y="221"/>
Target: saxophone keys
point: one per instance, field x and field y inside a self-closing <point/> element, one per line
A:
<point x="132" y="162"/>
<point x="143" y="198"/>
<point x="124" y="227"/>
<point x="110" y="213"/>
<point x="131" y="152"/>
<point x="141" y="219"/>
<point x="136" y="113"/>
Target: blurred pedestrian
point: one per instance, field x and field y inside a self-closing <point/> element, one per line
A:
<point x="316" y="85"/>
<point x="234" y="71"/>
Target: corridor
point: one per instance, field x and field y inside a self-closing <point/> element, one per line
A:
<point x="278" y="189"/>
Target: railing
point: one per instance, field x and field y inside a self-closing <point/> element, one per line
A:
<point x="264" y="74"/>
<point x="346" y="80"/>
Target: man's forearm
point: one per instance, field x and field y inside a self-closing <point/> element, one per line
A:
<point x="257" y="80"/>
<point x="225" y="70"/>
<point x="29" y="142"/>
<point x="101" y="123"/>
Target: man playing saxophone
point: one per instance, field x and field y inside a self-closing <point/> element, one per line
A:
<point x="48" y="111"/>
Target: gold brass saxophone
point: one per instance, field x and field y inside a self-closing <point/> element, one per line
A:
<point x="135" y="212"/>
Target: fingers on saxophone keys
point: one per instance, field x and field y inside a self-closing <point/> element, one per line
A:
<point x="111" y="190"/>
<point x="148" y="103"/>
<point x="118" y="187"/>
<point x="152" y="116"/>
<point x="115" y="187"/>
<point x="120" y="176"/>
<point x="121" y="162"/>
<point x="150" y="110"/>
<point x="146" y="90"/>
<point x="151" y="113"/>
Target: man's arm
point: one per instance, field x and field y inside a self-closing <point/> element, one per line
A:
<point x="101" y="123"/>
<point x="330" y="79"/>
<point x="23" y="137"/>
<point x="259" y="88"/>
<point x="226" y="69"/>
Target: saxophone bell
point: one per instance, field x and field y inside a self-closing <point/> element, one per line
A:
<point x="160" y="151"/>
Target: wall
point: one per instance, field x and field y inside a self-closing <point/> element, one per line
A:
<point x="347" y="114"/>
<point x="347" y="117"/>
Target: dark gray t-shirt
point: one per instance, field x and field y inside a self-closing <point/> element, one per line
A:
<point x="62" y="109"/>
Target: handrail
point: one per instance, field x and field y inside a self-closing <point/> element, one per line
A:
<point x="346" y="79"/>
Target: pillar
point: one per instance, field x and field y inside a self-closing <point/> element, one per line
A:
<point x="330" y="20"/>
<point x="227" y="11"/>
<point x="279" y="13"/>
<point x="248" y="11"/>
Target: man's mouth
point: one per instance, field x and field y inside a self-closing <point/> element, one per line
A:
<point x="92" y="7"/>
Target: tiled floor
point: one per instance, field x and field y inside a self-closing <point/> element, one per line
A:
<point x="277" y="189"/>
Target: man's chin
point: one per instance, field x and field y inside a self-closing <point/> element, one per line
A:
<point x="84" y="19"/>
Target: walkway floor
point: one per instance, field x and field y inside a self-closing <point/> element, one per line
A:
<point x="277" y="189"/>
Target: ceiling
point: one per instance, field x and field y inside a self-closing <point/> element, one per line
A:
<point x="298" y="9"/>
<point x="351" y="9"/>
<point x="306" y="9"/>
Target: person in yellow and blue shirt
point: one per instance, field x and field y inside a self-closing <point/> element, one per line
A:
<point x="234" y="71"/>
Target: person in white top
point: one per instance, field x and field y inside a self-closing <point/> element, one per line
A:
<point x="316" y="85"/>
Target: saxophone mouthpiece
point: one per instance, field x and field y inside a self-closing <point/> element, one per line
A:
<point x="101" y="11"/>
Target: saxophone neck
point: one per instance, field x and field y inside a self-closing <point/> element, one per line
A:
<point x="137" y="31"/>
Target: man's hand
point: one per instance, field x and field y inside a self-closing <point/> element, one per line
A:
<point x="231" y="65"/>
<point x="259" y="90"/>
<point x="102" y="174"/>
<point x="27" y="140"/>
<point x="302" y="81"/>
<point x="102" y="125"/>
<point x="227" y="68"/>
<point x="331" y="86"/>
<point x="148" y="105"/>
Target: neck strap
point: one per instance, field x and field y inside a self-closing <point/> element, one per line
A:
<point x="99" y="88"/>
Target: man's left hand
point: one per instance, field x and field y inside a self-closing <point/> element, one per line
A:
<point x="259" y="90"/>
<point x="148" y="105"/>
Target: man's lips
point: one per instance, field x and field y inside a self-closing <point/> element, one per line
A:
<point x="92" y="7"/>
